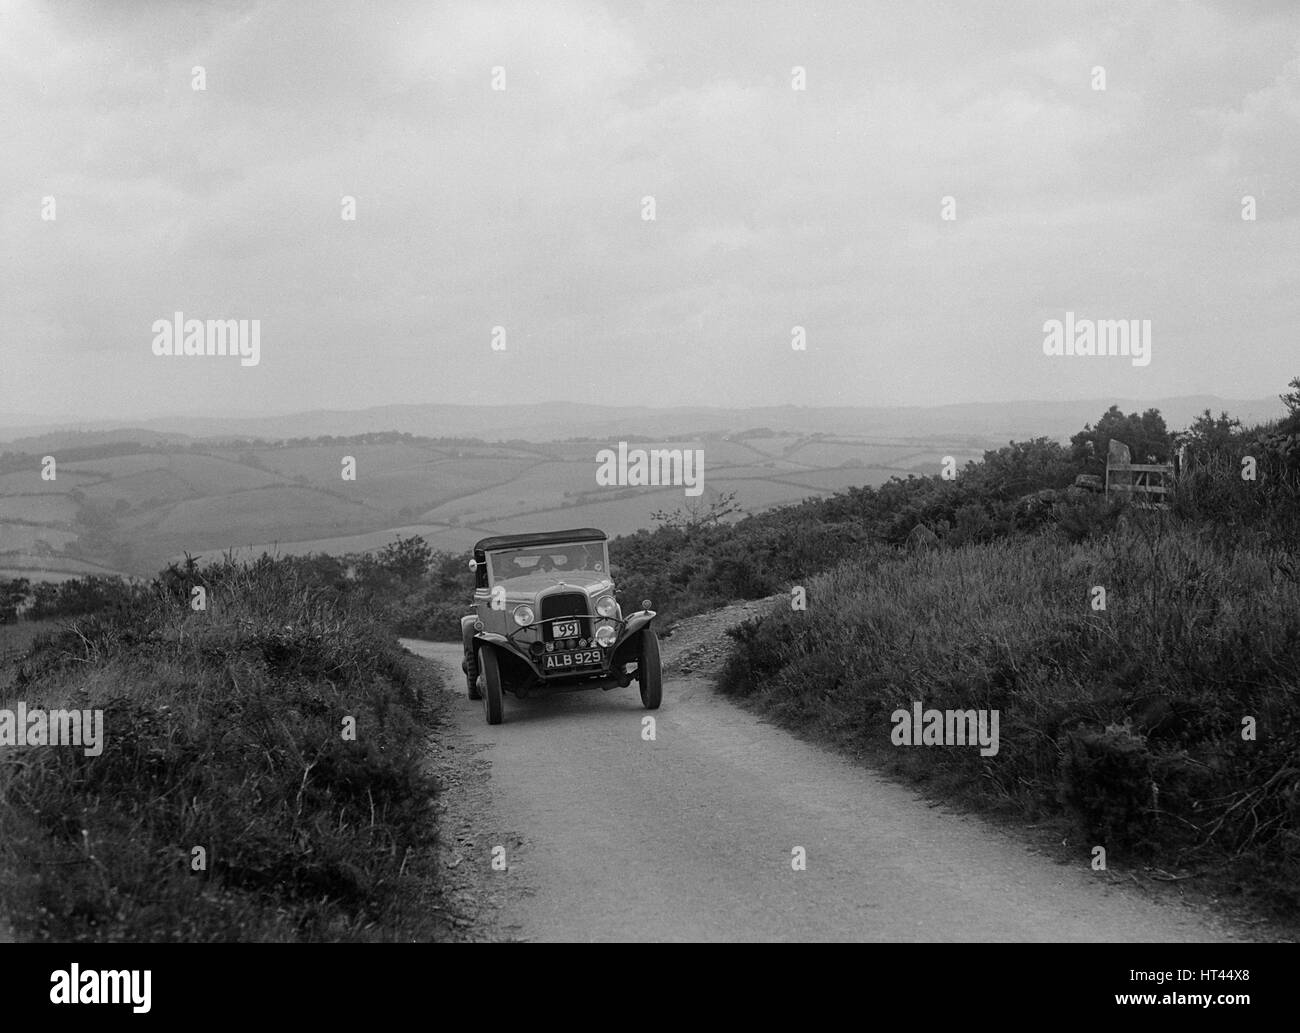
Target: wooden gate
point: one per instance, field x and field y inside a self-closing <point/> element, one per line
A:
<point x="1146" y="484"/>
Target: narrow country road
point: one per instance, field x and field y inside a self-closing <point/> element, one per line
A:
<point x="690" y="837"/>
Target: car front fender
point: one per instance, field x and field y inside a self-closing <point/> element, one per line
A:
<point x="635" y="623"/>
<point x="501" y="642"/>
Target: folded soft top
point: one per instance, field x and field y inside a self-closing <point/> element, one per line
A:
<point x="523" y="541"/>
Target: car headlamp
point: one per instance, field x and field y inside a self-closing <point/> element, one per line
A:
<point x="606" y="607"/>
<point x="523" y="616"/>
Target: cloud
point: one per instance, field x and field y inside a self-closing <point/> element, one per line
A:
<point x="523" y="208"/>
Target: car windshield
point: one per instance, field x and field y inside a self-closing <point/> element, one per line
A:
<point x="555" y="560"/>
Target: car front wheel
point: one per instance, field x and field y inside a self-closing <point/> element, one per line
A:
<point x="492" y="707"/>
<point x="470" y="667"/>
<point x="649" y="675"/>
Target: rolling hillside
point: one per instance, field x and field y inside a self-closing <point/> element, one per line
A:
<point x="121" y="507"/>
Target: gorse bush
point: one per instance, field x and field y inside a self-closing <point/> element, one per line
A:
<point x="1085" y="517"/>
<point x="76" y="596"/>
<point x="223" y="730"/>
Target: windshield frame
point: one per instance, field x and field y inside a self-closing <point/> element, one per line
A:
<point x="496" y="555"/>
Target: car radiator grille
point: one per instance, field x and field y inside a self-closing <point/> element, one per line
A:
<point x="567" y="604"/>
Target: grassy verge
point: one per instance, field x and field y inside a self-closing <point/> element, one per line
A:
<point x="1126" y="721"/>
<point x="223" y="730"/>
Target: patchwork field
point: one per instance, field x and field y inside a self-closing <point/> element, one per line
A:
<point x="132" y="509"/>
<point x="47" y="509"/>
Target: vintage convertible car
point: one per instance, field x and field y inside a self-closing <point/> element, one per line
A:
<point x="545" y="618"/>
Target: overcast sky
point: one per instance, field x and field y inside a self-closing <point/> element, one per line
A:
<point x="522" y="207"/>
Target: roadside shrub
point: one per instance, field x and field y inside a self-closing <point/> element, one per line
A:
<point x="1085" y="517"/>
<point x="1106" y="781"/>
<point x="971" y="524"/>
<point x="766" y="646"/>
<point x="223" y="730"/>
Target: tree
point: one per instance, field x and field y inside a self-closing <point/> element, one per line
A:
<point x="1147" y="437"/>
<point x="407" y="558"/>
<point x="1209" y="433"/>
<point x="1292" y="400"/>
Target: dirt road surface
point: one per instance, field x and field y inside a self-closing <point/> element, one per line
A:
<point x="691" y="836"/>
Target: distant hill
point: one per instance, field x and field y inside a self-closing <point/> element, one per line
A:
<point x="61" y="438"/>
<point x="554" y="421"/>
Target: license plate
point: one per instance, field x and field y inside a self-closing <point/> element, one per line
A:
<point x="577" y="658"/>
<point x="566" y="629"/>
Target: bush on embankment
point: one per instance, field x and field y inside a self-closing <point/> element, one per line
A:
<point x="1129" y="721"/>
<point x="223" y="730"/>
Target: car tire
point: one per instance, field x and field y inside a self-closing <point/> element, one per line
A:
<point x="492" y="706"/>
<point x="471" y="677"/>
<point x="649" y="673"/>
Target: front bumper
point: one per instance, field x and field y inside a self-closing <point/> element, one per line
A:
<point x="613" y="657"/>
